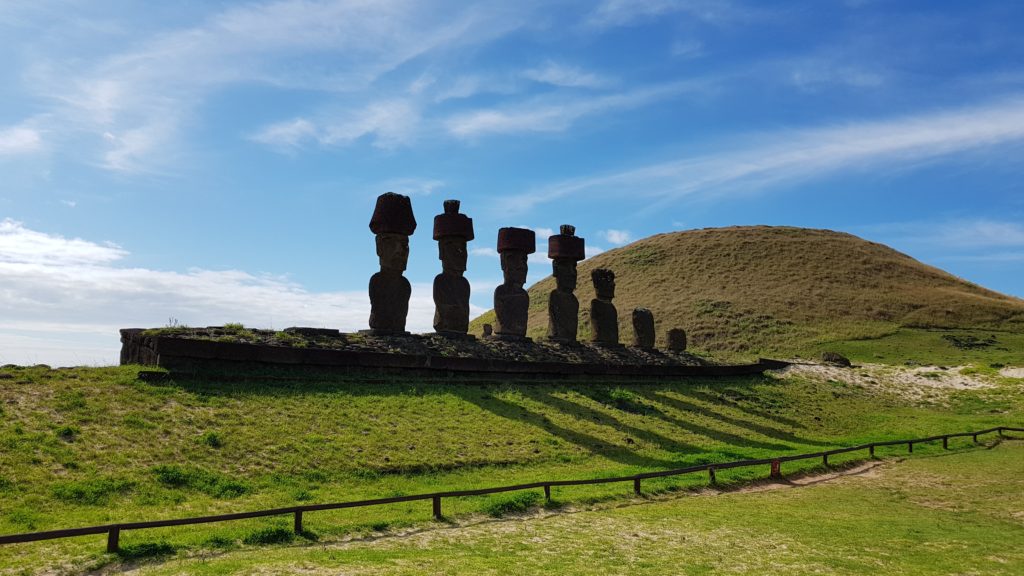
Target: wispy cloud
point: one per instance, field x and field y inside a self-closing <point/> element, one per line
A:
<point x="955" y="234"/>
<point x="138" y="100"/>
<point x="611" y="13"/>
<point x="564" y="75"/>
<point x="788" y="156"/>
<point x="57" y="287"/>
<point x="17" y="140"/>
<point x="557" y="113"/>
<point x="390" y="123"/>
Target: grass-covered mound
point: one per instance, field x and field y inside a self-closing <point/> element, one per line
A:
<point x="771" y="290"/>
<point x="93" y="446"/>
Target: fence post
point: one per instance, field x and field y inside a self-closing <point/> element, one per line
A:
<point x="636" y="486"/>
<point x="776" y="469"/>
<point x="298" y="521"/>
<point x="871" y="450"/>
<point x="975" y="436"/>
<point x="945" y="442"/>
<point x="1001" y="435"/>
<point x="437" y="508"/>
<point x="910" y="447"/>
<point x="113" y="537"/>
<point x="547" y="492"/>
<point x="824" y="460"/>
<point x="711" y="474"/>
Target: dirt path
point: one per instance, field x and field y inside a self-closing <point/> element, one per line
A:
<point x="917" y="384"/>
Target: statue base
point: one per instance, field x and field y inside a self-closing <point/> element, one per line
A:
<point x="510" y="337"/>
<point x="384" y="332"/>
<point x="455" y="335"/>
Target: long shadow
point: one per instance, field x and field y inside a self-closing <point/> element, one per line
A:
<point x="725" y="399"/>
<point x="592" y="444"/>
<point x="768" y="431"/>
<point x="666" y="443"/>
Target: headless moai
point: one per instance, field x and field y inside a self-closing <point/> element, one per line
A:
<point x="511" y="301"/>
<point x="676" y="340"/>
<point x="604" y="318"/>
<point x="451" y="289"/>
<point x="393" y="223"/>
<point x="643" y="328"/>
<point x="565" y="250"/>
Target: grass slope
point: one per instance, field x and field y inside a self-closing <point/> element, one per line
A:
<point x="949" y="514"/>
<point x="770" y="290"/>
<point x="92" y="446"/>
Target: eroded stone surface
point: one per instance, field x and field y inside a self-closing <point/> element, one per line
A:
<point x="643" y="328"/>
<point x="604" y="318"/>
<point x="676" y="340"/>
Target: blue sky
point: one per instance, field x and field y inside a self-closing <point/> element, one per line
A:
<point x="218" y="161"/>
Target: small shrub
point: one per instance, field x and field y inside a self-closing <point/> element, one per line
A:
<point x="71" y="400"/>
<point x="380" y="526"/>
<point x="276" y="535"/>
<point x="67" y="433"/>
<point x="211" y="439"/>
<point x="5" y="484"/>
<point x="219" y="542"/>
<point x="92" y="491"/>
<point x="518" y="502"/>
<point x="194" y="478"/>
<point x="146" y="550"/>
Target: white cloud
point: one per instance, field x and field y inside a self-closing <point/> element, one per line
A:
<point x="17" y="140"/>
<point x="556" y="113"/>
<point x="955" y="235"/>
<point x="412" y="186"/>
<point x="794" y="155"/>
<point x="592" y="251"/>
<point x="617" y="237"/>
<point x="489" y="252"/>
<point x="687" y="49"/>
<point x="563" y="75"/>
<point x="73" y="289"/>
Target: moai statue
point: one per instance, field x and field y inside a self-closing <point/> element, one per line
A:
<point x="604" y="318"/>
<point x="565" y="250"/>
<point x="511" y="302"/>
<point x="676" y="340"/>
<point x="643" y="328"/>
<point x="393" y="223"/>
<point x="451" y="290"/>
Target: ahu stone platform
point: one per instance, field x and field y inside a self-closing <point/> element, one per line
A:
<point x="216" y="349"/>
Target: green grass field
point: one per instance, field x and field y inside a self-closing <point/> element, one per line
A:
<point x="94" y="446"/>
<point x="957" y="513"/>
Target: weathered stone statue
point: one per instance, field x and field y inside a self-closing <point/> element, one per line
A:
<point x="451" y="290"/>
<point x="604" y="318"/>
<point x="565" y="250"/>
<point x="643" y="328"/>
<point x="393" y="223"/>
<point x="676" y="340"/>
<point x="511" y="302"/>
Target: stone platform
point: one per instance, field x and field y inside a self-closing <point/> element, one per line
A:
<point x="214" y="349"/>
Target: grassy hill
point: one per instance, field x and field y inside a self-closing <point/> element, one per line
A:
<point x="779" y="290"/>
<point x="89" y="446"/>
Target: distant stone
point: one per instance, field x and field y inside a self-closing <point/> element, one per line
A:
<point x="643" y="328"/>
<point x="488" y="330"/>
<point x="676" y="340"/>
<point x="835" y="359"/>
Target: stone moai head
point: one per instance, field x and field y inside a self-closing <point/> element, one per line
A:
<point x="643" y="328"/>
<point x="676" y="340"/>
<point x="565" y="250"/>
<point x="604" y="283"/>
<point x="515" y="245"/>
<point x="393" y="223"/>
<point x="452" y="231"/>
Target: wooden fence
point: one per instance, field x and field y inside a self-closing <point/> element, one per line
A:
<point x="113" y="531"/>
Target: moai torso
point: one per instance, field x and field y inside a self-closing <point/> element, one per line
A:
<point x="389" y="301"/>
<point x="604" y="318"/>
<point x="643" y="328"/>
<point x="563" y="316"/>
<point x="451" y="303"/>
<point x="511" y="310"/>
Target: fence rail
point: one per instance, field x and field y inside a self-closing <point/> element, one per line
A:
<point x="113" y="531"/>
